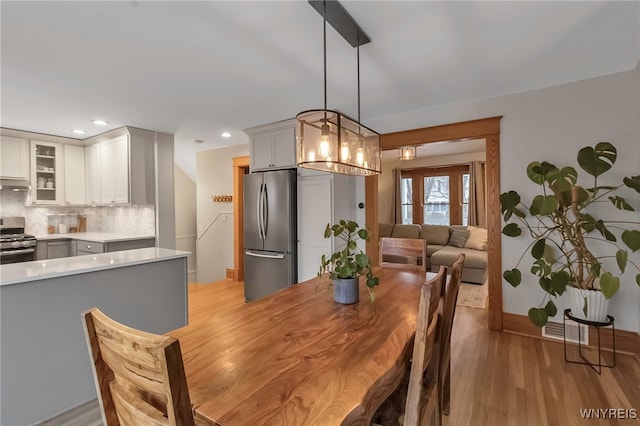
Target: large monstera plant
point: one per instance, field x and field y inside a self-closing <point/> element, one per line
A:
<point x="564" y="231"/>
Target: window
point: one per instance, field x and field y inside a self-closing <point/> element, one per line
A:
<point x="436" y="196"/>
<point x="406" y="199"/>
<point x="436" y="200"/>
<point x="465" y="199"/>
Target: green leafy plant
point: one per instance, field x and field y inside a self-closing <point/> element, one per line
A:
<point x="348" y="261"/>
<point x="563" y="231"/>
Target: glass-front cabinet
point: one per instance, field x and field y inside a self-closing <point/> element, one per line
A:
<point x="46" y="166"/>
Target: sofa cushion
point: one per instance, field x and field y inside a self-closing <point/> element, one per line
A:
<point x="385" y="229"/>
<point x="448" y="254"/>
<point x="435" y="234"/>
<point x="406" y="231"/>
<point x="432" y="248"/>
<point x="458" y="237"/>
<point x="477" y="238"/>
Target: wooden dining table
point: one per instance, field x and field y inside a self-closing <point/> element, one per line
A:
<point x="296" y="357"/>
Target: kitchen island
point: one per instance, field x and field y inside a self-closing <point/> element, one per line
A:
<point x="46" y="368"/>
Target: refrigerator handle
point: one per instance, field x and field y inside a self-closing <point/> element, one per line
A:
<point x="265" y="212"/>
<point x="268" y="256"/>
<point x="259" y="212"/>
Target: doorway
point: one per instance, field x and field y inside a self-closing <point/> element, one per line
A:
<point x="488" y="129"/>
<point x="240" y="168"/>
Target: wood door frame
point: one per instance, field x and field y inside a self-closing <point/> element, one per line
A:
<point x="487" y="129"/>
<point x="240" y="168"/>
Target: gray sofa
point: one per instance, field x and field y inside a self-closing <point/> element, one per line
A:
<point x="439" y="248"/>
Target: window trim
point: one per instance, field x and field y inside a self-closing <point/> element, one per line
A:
<point x="454" y="172"/>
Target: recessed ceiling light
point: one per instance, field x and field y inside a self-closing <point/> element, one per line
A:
<point x="78" y="131"/>
<point x="226" y="135"/>
<point x="199" y="141"/>
<point x="100" y="122"/>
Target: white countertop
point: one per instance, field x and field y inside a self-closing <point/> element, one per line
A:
<point x="96" y="237"/>
<point x="15" y="273"/>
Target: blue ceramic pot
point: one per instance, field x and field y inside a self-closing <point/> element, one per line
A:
<point x="346" y="291"/>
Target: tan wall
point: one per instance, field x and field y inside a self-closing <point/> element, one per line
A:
<point x="553" y="124"/>
<point x="186" y="225"/>
<point x="214" y="248"/>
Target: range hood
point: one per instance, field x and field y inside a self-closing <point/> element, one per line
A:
<point x="15" y="184"/>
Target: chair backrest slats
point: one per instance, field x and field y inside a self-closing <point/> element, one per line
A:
<point x="139" y="376"/>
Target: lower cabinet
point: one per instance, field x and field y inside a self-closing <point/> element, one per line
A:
<point x="53" y="249"/>
<point x="88" y="247"/>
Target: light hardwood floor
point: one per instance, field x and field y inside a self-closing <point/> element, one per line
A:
<point x="497" y="378"/>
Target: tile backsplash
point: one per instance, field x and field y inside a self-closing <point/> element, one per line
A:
<point x="134" y="220"/>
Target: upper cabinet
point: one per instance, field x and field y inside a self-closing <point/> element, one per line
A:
<point x="74" y="175"/>
<point x="272" y="146"/>
<point x="14" y="158"/>
<point x="114" y="170"/>
<point x="120" y="168"/>
<point x="46" y="173"/>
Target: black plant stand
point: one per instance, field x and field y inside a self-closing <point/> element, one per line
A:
<point x="597" y="326"/>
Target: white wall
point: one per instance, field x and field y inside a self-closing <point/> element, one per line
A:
<point x="552" y="123"/>
<point x="385" y="180"/>
<point x="214" y="249"/>
<point x="186" y="226"/>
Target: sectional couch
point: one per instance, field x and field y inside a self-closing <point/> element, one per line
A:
<point x="444" y="244"/>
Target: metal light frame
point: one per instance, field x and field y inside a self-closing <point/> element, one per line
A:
<point x="328" y="140"/>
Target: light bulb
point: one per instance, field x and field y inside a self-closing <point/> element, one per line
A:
<point x="324" y="141"/>
<point x="311" y="155"/>
<point x="344" y="152"/>
<point x="359" y="156"/>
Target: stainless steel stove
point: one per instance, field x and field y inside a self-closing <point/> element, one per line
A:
<point x="15" y="245"/>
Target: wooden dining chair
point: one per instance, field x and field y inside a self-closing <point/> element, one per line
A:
<point x="404" y="253"/>
<point x="139" y="376"/>
<point x="416" y="395"/>
<point x="444" y="339"/>
<point x="422" y="406"/>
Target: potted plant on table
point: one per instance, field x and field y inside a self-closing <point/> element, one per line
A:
<point x="572" y="248"/>
<point x="346" y="264"/>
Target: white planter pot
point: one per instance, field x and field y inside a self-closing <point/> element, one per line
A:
<point x="597" y="304"/>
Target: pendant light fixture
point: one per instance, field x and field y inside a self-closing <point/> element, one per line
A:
<point x="328" y="140"/>
<point x="407" y="153"/>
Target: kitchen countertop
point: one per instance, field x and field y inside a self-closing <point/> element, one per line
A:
<point x="96" y="237"/>
<point x="16" y="273"/>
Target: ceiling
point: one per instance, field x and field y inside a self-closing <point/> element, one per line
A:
<point x="438" y="149"/>
<point x="196" y="69"/>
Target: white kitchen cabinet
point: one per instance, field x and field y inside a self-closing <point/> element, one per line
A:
<point x="14" y="158"/>
<point x="46" y="173"/>
<point x="272" y="146"/>
<point x="93" y="193"/>
<point x="114" y="170"/>
<point x="74" y="175"/>
<point x="322" y="198"/>
<point x="120" y="167"/>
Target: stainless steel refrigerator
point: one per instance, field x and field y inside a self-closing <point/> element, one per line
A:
<point x="270" y="232"/>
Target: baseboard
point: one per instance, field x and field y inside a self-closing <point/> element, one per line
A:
<point x="230" y="274"/>
<point x="626" y="341"/>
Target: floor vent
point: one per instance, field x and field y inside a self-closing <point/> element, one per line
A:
<point x="554" y="330"/>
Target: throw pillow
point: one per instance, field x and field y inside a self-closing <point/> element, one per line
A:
<point x="458" y="237"/>
<point x="477" y="238"/>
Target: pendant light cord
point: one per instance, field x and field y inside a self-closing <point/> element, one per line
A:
<point x="358" y="60"/>
<point x="324" y="37"/>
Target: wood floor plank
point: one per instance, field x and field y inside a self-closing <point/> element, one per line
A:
<point x="496" y="378"/>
